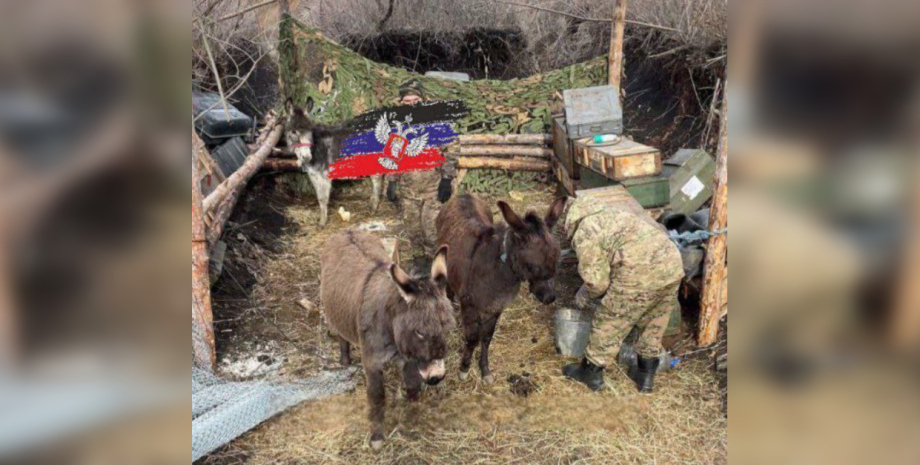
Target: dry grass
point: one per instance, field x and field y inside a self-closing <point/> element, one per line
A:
<point x="458" y="422"/>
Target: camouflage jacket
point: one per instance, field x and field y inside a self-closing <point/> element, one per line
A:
<point x="423" y="185"/>
<point x="616" y="249"/>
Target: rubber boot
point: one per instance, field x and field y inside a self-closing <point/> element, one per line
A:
<point x="586" y="373"/>
<point x="392" y="196"/>
<point x="643" y="373"/>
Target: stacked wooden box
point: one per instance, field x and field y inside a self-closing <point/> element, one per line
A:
<point x="581" y="164"/>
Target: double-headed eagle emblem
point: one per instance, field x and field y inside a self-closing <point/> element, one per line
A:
<point x="396" y="145"/>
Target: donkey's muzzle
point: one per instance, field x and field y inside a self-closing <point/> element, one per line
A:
<point x="433" y="372"/>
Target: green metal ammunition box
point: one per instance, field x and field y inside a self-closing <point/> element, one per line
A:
<point x="651" y="192"/>
<point x="691" y="173"/>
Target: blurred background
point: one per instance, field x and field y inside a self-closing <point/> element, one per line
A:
<point x="824" y="99"/>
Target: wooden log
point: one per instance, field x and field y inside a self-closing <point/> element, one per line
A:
<point x="715" y="270"/>
<point x="461" y="175"/>
<point x="281" y="153"/>
<point x="505" y="139"/>
<point x="221" y="215"/>
<point x="504" y="150"/>
<point x="905" y="322"/>
<point x="237" y="180"/>
<point x="615" y="56"/>
<point x="281" y="164"/>
<point x="203" y="350"/>
<point x="511" y="164"/>
<point x="9" y="326"/>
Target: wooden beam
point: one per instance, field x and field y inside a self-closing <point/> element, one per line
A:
<point x="504" y="150"/>
<point x="9" y="327"/>
<point x="511" y="164"/>
<point x="237" y="180"/>
<point x="203" y="350"/>
<point x="715" y="270"/>
<point x="905" y="321"/>
<point x="223" y="211"/>
<point x="615" y="56"/>
<point x="505" y="139"/>
<point x="281" y="164"/>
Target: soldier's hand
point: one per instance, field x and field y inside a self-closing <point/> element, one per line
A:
<point x="583" y="301"/>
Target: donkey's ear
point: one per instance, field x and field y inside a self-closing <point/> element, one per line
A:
<point x="554" y="212"/>
<point x="396" y="254"/>
<point x="510" y="216"/>
<point x="309" y="104"/>
<point x="404" y="283"/>
<point x="289" y="107"/>
<point x="439" y="267"/>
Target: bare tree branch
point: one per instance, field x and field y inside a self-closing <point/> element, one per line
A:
<point x="583" y="18"/>
<point x="241" y="12"/>
<point x="386" y="17"/>
<point x="220" y="87"/>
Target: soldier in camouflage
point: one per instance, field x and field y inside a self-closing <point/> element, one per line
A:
<point x="632" y="273"/>
<point x="422" y="192"/>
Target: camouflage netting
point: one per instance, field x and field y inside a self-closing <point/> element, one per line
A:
<point x="344" y="84"/>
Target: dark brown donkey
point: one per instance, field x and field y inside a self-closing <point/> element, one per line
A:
<point x="488" y="263"/>
<point x="370" y="301"/>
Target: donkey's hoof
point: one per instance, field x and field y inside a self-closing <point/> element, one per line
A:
<point x="377" y="440"/>
<point x="488" y="380"/>
<point x="464" y="376"/>
<point x="413" y="395"/>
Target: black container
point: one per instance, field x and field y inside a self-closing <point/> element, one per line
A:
<point x="215" y="124"/>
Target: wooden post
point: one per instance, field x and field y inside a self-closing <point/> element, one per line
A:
<point x="715" y="269"/>
<point x="615" y="56"/>
<point x="905" y="321"/>
<point x="9" y="329"/>
<point x="202" y="318"/>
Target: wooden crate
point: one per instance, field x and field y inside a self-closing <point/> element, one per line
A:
<point x="563" y="147"/>
<point x="626" y="160"/>
<point x="569" y="184"/>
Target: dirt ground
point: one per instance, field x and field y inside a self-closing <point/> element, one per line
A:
<point x="530" y="415"/>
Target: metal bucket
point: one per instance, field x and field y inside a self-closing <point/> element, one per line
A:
<point x="573" y="328"/>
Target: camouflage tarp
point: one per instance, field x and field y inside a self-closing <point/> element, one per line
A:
<point x="344" y="84"/>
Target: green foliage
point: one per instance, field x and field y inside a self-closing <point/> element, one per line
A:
<point x="499" y="182"/>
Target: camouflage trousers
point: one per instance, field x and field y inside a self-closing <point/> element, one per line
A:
<point x="419" y="219"/>
<point x="620" y="311"/>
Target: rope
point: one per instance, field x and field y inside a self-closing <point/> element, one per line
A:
<point x="683" y="240"/>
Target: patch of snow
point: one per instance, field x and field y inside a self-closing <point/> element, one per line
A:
<point x="261" y="360"/>
<point x="373" y="226"/>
